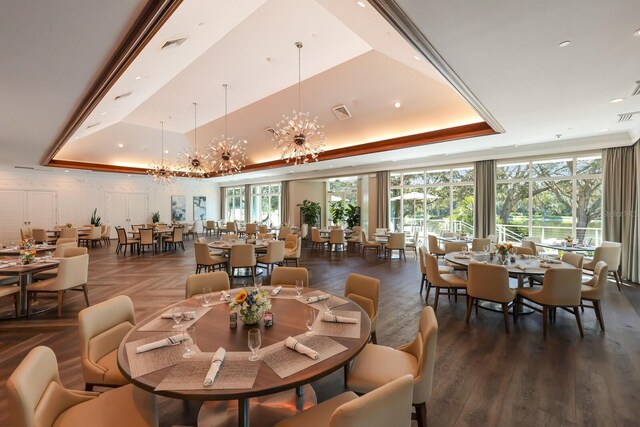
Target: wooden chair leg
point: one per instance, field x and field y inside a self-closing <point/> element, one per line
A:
<point x="346" y="374"/>
<point x="576" y="312"/>
<point x="435" y="302"/>
<point x="16" y="303"/>
<point x="545" y="316"/>
<point x="426" y="298"/>
<point x="596" y="308"/>
<point x="88" y="387"/>
<point x="374" y="337"/>
<point x="421" y="414"/>
<point x="505" y="312"/>
<point x="86" y="294"/>
<point x="424" y="278"/>
<point x="516" y="310"/>
<point x="60" y="300"/>
<point x="616" y="275"/>
<point x="469" y="305"/>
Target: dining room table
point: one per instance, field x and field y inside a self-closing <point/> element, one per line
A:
<point x="567" y="248"/>
<point x="24" y="273"/>
<point x="15" y="250"/>
<point x="245" y="392"/>
<point x="455" y="239"/>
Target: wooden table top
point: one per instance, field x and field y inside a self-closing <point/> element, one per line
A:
<point x="212" y="331"/>
<point x="37" y="248"/>
<point x="34" y="267"/>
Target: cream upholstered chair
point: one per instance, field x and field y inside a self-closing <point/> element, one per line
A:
<point x="231" y="227"/>
<point x="274" y="255"/>
<point x="263" y="229"/>
<point x="377" y="365"/>
<point x="72" y="275"/>
<point x="243" y="256"/>
<point x="594" y="290"/>
<point x="443" y="269"/>
<point x="192" y="230"/>
<point x="448" y="234"/>
<point x="209" y="227"/>
<point x="561" y="287"/>
<point x="287" y="276"/>
<point x="434" y="247"/>
<point x="102" y="327"/>
<point x="531" y="245"/>
<point x="574" y="259"/>
<point x="442" y="281"/>
<point x="336" y="238"/>
<point x="389" y="405"/>
<point x="69" y="233"/>
<point x="316" y="240"/>
<point x="94" y="236"/>
<point x="177" y="238"/>
<point x="230" y="236"/>
<point x="412" y="244"/>
<point x="283" y="232"/>
<point x="66" y="240"/>
<point x="62" y="247"/>
<point x="521" y="250"/>
<point x="106" y="235"/>
<point x="477" y="245"/>
<point x="265" y="236"/>
<point x="396" y="243"/>
<point x="26" y="233"/>
<point x="36" y="397"/>
<point x="217" y="281"/>
<point x="369" y="244"/>
<point x="292" y="254"/>
<point x="40" y="235"/>
<point x="124" y="241"/>
<point x="147" y="239"/>
<point x="489" y="282"/>
<point x="355" y="239"/>
<point x="206" y="261"/>
<point x="9" y="286"/>
<point x="251" y="230"/>
<point x="68" y="252"/>
<point x="455" y="247"/>
<point x="365" y="291"/>
<point x="609" y="252"/>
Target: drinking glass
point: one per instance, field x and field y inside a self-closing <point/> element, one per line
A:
<point x="258" y="282"/>
<point x="254" y="343"/>
<point x="176" y="314"/>
<point x="309" y="319"/>
<point x="485" y="248"/>
<point x="328" y="305"/>
<point x="48" y="255"/>
<point x="189" y="341"/>
<point x="299" y="286"/>
<point x="207" y="294"/>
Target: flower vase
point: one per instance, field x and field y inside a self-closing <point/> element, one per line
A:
<point x="503" y="259"/>
<point x="250" y="317"/>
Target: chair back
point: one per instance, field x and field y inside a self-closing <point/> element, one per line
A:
<point x="262" y="229"/>
<point x="434" y="247"/>
<point x="69" y="233"/>
<point x="25" y="233"/>
<point x="146" y="236"/>
<point x="282" y="233"/>
<point x="397" y="241"/>
<point x="599" y="280"/>
<point x="195" y="284"/>
<point x="364" y="291"/>
<point x="122" y="235"/>
<point x="336" y="236"/>
<point x="135" y="228"/>
<point x="315" y="235"/>
<point x="521" y="250"/>
<point x="610" y="253"/>
<point x="298" y="248"/>
<point x="561" y="287"/>
<point x="75" y="251"/>
<point x="423" y="348"/>
<point x="66" y="240"/>
<point x="287" y="276"/>
<point x="477" y="245"/>
<point x="448" y="234"/>
<point x="72" y="272"/>
<point x="389" y="405"/>
<point x="531" y="245"/>
<point x="489" y="282"/>
<point x="265" y="236"/>
<point x="178" y="234"/>
<point x="231" y="227"/>
<point x="275" y="252"/>
<point x="62" y="247"/>
<point x="201" y="251"/>
<point x="40" y="234"/>
<point x="251" y="228"/>
<point x="433" y="271"/>
<point x="106" y="231"/>
<point x="291" y="241"/>
<point x="574" y="259"/>
<point x="422" y="251"/>
<point x="161" y="226"/>
<point x="455" y="247"/>
<point x="242" y="255"/>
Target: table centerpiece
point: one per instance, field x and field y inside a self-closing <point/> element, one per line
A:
<point x="27" y="256"/>
<point x="251" y="304"/>
<point x="503" y="250"/>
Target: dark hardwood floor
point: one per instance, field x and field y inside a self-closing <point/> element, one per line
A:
<point x="482" y="376"/>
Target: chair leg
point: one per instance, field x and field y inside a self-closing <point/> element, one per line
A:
<point x="596" y="308"/>
<point x="545" y="316"/>
<point x="516" y="310"/>
<point x="469" y="305"/>
<point x="426" y="298"/>
<point x="616" y="275"/>
<point x="374" y="337"/>
<point x="424" y="278"/>
<point x="421" y="414"/>
<point x="86" y="294"/>
<point x="16" y="303"/>
<point x="60" y="299"/>
<point x="576" y="312"/>
<point x="435" y="302"/>
<point x="346" y="374"/>
<point x="88" y="387"/>
<point x="505" y="312"/>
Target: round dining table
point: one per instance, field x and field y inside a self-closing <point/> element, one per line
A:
<point x="271" y="397"/>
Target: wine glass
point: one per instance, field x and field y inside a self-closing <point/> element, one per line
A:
<point x="189" y="341"/>
<point x="207" y="294"/>
<point x="176" y="314"/>
<point x="328" y="305"/>
<point x="309" y="319"/>
<point x="254" y="343"/>
<point x="485" y="248"/>
<point x="258" y="282"/>
<point x="299" y="286"/>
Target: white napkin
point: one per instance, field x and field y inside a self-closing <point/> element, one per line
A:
<point x="322" y="297"/>
<point x="293" y="344"/>
<point x="521" y="267"/>
<point x="188" y="315"/>
<point x="462" y="257"/>
<point x="328" y="317"/>
<point x="216" y="362"/>
<point x="276" y="291"/>
<point x="224" y="296"/>
<point x="473" y="261"/>
<point x="544" y="265"/>
<point x="165" y="342"/>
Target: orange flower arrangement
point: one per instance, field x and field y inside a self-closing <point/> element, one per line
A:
<point x="241" y="297"/>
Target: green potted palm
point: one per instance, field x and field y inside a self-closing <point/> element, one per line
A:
<point x="96" y="221"/>
<point x="310" y="212"/>
<point x="337" y="211"/>
<point x="352" y="215"/>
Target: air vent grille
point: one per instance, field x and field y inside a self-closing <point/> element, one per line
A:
<point x="173" y="43"/>
<point x="341" y="112"/>
<point x="123" y="95"/>
<point x="636" y="90"/>
<point x="627" y="117"/>
<point x="24" y="167"/>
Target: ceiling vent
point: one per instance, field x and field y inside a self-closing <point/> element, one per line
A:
<point x="272" y="132"/>
<point x="124" y="95"/>
<point x="173" y="43"/>
<point x="627" y="117"/>
<point x="24" y="167"/>
<point x="636" y="90"/>
<point x="341" y="112"/>
<point x="93" y="125"/>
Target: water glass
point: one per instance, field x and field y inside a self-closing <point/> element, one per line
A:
<point x="299" y="286"/>
<point x="254" y="342"/>
<point x="328" y="305"/>
<point x="258" y="282"/>
<point x="309" y="319"/>
<point x="207" y="293"/>
<point x="485" y="248"/>
<point x="189" y="342"/>
<point x="176" y="314"/>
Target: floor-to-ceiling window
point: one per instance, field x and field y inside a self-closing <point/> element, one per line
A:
<point x="432" y="201"/>
<point x="550" y="198"/>
<point x="265" y="203"/>
<point x="343" y="189"/>
<point x="234" y="208"/>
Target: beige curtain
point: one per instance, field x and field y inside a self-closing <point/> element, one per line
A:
<point x="621" y="202"/>
<point x="382" y="179"/>
<point x="484" y="214"/>
<point x="284" y="203"/>
<point x="247" y="204"/>
<point x="223" y="202"/>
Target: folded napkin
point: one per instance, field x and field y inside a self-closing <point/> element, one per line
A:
<point x="4" y="265"/>
<point x="462" y="256"/>
<point x="224" y="296"/>
<point x="521" y="267"/>
<point x="322" y="297"/>
<point x="216" y="362"/>
<point x="293" y="344"/>
<point x="188" y="315"/>
<point x="165" y="342"/>
<point x="276" y="291"/>
<point x="328" y="317"/>
<point x="554" y="261"/>
<point x="473" y="261"/>
<point x="544" y="265"/>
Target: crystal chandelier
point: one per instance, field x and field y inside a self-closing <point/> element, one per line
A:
<point x="226" y="154"/>
<point x="194" y="161"/>
<point x="161" y="171"/>
<point x="298" y="137"/>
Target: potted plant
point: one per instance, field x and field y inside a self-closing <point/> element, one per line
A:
<point x="337" y="211"/>
<point x="310" y="212"/>
<point x="95" y="219"/>
<point x="155" y="217"/>
<point x="352" y="213"/>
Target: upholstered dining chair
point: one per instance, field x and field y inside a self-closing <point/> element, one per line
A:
<point x="355" y="239"/>
<point x="292" y="254"/>
<point x="369" y="244"/>
<point x="72" y="275"/>
<point x="231" y="227"/>
<point x="365" y="291"/>
<point x="67" y="252"/>
<point x="336" y="238"/>
<point x="94" y="237"/>
<point x="265" y="236"/>
<point x="106" y="235"/>
<point x="450" y="282"/>
<point x="489" y="282"/>
<point x="26" y="233"/>
<point x="389" y="405"/>
<point x="396" y="243"/>
<point x="274" y="255"/>
<point x="377" y="365"/>
<point x="576" y="260"/>
<point x="36" y="397"/>
<point x="287" y="276"/>
<point x="316" y="240"/>
<point x="609" y="252"/>
<point x="10" y="286"/>
<point x="69" y="233"/>
<point x="62" y="247"/>
<point x="147" y="239"/>
<point x="263" y="229"/>
<point x="177" y="238"/>
<point x="531" y="245"/>
<point x="412" y="243"/>
<point x="561" y="288"/>
<point x="251" y="230"/>
<point x="522" y="250"/>
<point x="422" y="252"/>
<point x="195" y="284"/>
<point x="243" y="256"/>
<point x="40" y="235"/>
<point x="455" y="247"/>
<point x="477" y="245"/>
<point x="65" y="240"/>
<point x="102" y="327"/>
<point x="434" y="247"/>
<point x="206" y="261"/>
<point x="594" y="290"/>
<point x="124" y="242"/>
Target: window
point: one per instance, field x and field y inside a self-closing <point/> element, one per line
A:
<point x="550" y="199"/>
<point x="432" y="201"/>
<point x="234" y="209"/>
<point x="265" y="204"/>
<point x="345" y="189"/>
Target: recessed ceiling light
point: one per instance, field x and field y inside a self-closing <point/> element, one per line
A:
<point x="121" y="145"/>
<point x="166" y="151"/>
<point x="104" y="113"/>
<point x="397" y="105"/>
<point x="637" y="32"/>
<point x="137" y="78"/>
<point x="565" y="43"/>
<point x="66" y="170"/>
<point x="129" y="175"/>
<point x="604" y="130"/>
<point x="76" y="137"/>
<point x="361" y="4"/>
<point x="613" y="101"/>
<point x="416" y="57"/>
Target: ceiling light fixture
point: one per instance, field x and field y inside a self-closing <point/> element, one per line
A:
<point x="227" y="155"/>
<point x="121" y="145"/>
<point x="299" y="138"/>
<point x="604" y="130"/>
<point x="616" y="100"/>
<point x="137" y="77"/>
<point x="637" y="32"/>
<point x="161" y="172"/>
<point x="416" y="57"/>
<point x="565" y="43"/>
<point x="397" y="105"/>
<point x="361" y="4"/>
<point x="194" y="161"/>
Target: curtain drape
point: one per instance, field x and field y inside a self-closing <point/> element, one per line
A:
<point x="223" y="202"/>
<point x="382" y="209"/>
<point x="247" y="203"/>
<point x="284" y="203"/>
<point x="621" y="203"/>
<point x="484" y="214"/>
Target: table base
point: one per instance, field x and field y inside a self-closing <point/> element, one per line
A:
<point x="246" y="272"/>
<point x="494" y="306"/>
<point x="263" y="411"/>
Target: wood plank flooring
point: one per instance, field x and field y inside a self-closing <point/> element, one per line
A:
<point x="482" y="377"/>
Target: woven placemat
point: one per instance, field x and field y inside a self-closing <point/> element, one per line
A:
<point x="335" y="301"/>
<point x="154" y="360"/>
<point x="160" y="324"/>
<point x="342" y="330"/>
